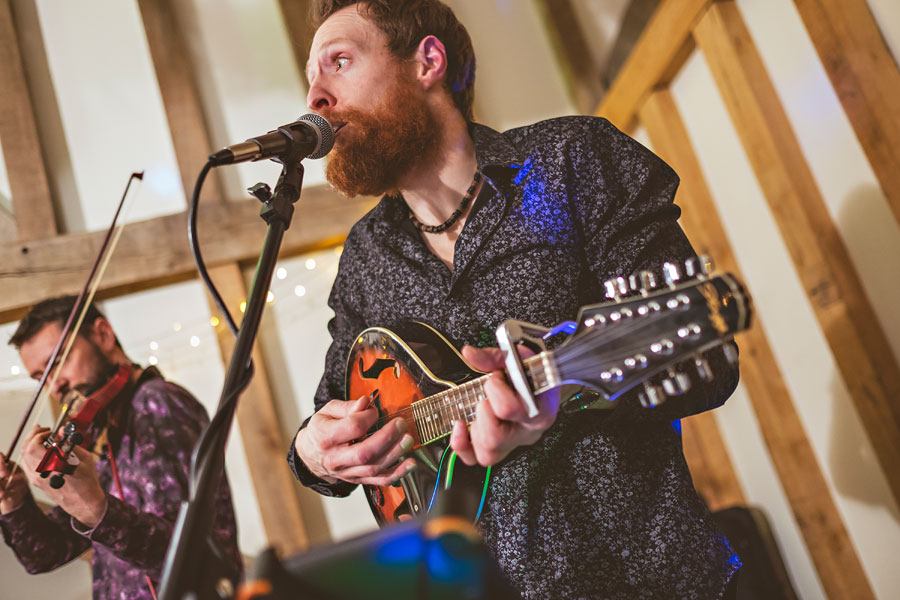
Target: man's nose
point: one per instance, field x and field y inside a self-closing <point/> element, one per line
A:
<point x="60" y="385"/>
<point x="319" y="97"/>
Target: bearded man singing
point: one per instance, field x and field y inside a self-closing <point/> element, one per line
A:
<point x="476" y="227"/>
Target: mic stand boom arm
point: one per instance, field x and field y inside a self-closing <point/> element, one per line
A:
<point x="188" y="572"/>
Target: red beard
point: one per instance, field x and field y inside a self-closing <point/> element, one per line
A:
<point x="382" y="145"/>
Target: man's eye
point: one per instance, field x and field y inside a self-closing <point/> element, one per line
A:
<point x="341" y="62"/>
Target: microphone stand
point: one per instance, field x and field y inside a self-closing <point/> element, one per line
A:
<point x="194" y="568"/>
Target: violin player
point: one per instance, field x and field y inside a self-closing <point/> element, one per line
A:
<point x="123" y="497"/>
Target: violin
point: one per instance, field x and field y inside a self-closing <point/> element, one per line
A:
<point x="72" y="428"/>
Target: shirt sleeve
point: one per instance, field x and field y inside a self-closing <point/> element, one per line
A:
<point x="41" y="542"/>
<point x="166" y="424"/>
<point x="624" y="202"/>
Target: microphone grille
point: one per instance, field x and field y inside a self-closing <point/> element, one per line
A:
<point x="326" y="134"/>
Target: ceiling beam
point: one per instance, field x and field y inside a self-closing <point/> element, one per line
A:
<point x="663" y="46"/>
<point x="833" y="288"/>
<point x="29" y="187"/>
<point x="865" y="77"/>
<point x="155" y="251"/>
<point x="574" y="57"/>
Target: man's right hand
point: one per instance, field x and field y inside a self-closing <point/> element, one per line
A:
<point x="13" y="490"/>
<point x="334" y="446"/>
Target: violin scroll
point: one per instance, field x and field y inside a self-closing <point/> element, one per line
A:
<point x="73" y="426"/>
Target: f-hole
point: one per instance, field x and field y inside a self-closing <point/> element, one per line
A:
<point x="377" y="367"/>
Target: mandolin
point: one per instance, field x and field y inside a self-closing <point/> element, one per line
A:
<point x="656" y="339"/>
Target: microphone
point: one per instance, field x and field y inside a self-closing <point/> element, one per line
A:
<point x="310" y="135"/>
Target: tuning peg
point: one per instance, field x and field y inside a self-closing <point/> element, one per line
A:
<point x="663" y="346"/>
<point x="703" y="368"/>
<point x="730" y="353"/>
<point x="642" y="282"/>
<point x="672" y="273"/>
<point x="698" y="267"/>
<point x="651" y="396"/>
<point x="638" y="361"/>
<point x="677" y="383"/>
<point x="614" y="374"/>
<point x="691" y="331"/>
<point x="612" y="290"/>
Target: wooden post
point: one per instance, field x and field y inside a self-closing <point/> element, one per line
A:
<point x="798" y="470"/>
<point x="865" y="77"/>
<point x="580" y="73"/>
<point x="32" y="204"/>
<point x="256" y="413"/>
<point x="296" y="15"/>
<point x="257" y="419"/>
<point x="662" y="49"/>
<point x="860" y="348"/>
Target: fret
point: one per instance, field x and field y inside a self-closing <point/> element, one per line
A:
<point x="434" y="415"/>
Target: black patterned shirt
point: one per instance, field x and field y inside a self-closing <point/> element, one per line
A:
<point x="603" y="505"/>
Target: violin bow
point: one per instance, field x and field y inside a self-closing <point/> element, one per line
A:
<point x="73" y="323"/>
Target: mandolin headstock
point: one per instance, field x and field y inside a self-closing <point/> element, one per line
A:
<point x="649" y="328"/>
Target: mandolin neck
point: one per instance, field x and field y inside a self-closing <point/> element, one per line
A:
<point x="434" y="415"/>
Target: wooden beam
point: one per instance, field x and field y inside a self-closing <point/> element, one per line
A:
<point x="865" y="77"/>
<point x="634" y="21"/>
<point x="574" y="56"/>
<point x="860" y="348"/>
<point x="177" y="85"/>
<point x="798" y="470"/>
<point x="296" y="15"/>
<point x="32" y="203"/>
<point x="155" y="251"/>
<point x="257" y="416"/>
<point x="659" y="52"/>
<point x="707" y="457"/>
<point x="257" y="420"/>
<point x="8" y="230"/>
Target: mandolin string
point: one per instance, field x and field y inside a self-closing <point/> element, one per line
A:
<point x="577" y="356"/>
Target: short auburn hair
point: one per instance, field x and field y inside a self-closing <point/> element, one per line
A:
<point x="406" y="23"/>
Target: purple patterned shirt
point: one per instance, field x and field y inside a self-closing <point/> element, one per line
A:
<point x="152" y="451"/>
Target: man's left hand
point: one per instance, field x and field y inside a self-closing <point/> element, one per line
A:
<point x="501" y="420"/>
<point x="81" y="496"/>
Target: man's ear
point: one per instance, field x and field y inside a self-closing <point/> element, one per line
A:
<point x="431" y="61"/>
<point x="103" y="335"/>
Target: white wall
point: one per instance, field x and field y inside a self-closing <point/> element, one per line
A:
<point x="858" y="207"/>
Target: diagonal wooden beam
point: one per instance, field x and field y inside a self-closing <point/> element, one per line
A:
<point x="865" y="77"/>
<point x="177" y="85"/>
<point x="799" y="473"/>
<point x="634" y="21"/>
<point x="155" y="252"/>
<point x="858" y="344"/>
<point x="663" y="46"/>
<point x="257" y="419"/>
<point x="574" y="56"/>
<point x="8" y="229"/>
<point x="32" y="203"/>
<point x="296" y="15"/>
<point x="707" y="457"/>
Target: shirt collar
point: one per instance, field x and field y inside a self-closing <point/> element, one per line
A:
<point x="492" y="148"/>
